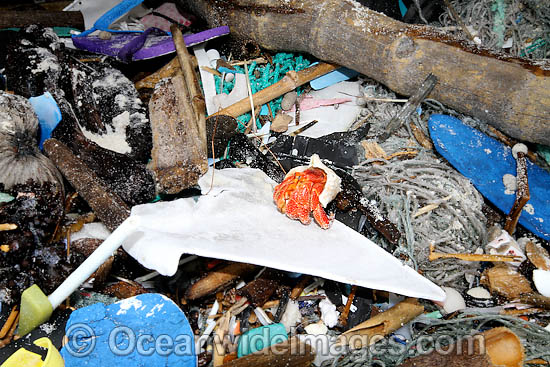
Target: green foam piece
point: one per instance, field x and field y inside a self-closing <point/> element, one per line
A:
<point x="260" y="338"/>
<point x="5" y="198"/>
<point x="36" y="309"/>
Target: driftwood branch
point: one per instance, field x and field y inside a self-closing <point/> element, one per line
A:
<point x="511" y="94"/>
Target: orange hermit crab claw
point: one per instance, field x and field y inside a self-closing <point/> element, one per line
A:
<point x="298" y="196"/>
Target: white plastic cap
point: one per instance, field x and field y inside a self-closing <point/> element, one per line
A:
<point x="519" y="147"/>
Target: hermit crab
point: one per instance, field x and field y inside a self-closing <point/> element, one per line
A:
<point x="308" y="189"/>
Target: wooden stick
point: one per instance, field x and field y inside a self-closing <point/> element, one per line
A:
<point x="343" y="320"/>
<point x="166" y="71"/>
<point x="471" y="257"/>
<point x="382" y="324"/>
<point x="511" y="142"/>
<point x="9" y="322"/>
<point x="107" y="205"/>
<point x="522" y="312"/>
<point x="291" y="81"/>
<point x="254" y="127"/>
<point x="218" y="279"/>
<point x="9" y="336"/>
<point x="258" y="60"/>
<point x="7" y="227"/>
<point x="522" y="194"/>
<point x="299" y="288"/>
<point x="197" y="99"/>
<point x="536" y="300"/>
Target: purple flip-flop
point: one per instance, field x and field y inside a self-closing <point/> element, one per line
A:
<point x="142" y="45"/>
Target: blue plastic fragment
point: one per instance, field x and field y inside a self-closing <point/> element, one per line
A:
<point x="259" y="338"/>
<point x="146" y="330"/>
<point x="49" y="114"/>
<point x="333" y="77"/>
<point x="484" y="161"/>
<point x="402" y="8"/>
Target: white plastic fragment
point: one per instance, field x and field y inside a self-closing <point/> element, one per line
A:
<point x="262" y="316"/>
<point x="238" y="199"/>
<point x="292" y="316"/>
<point x="541" y="278"/>
<point x="505" y="244"/>
<point x="210" y="325"/>
<point x="207" y="79"/>
<point x="95" y="230"/>
<point x="519" y="147"/>
<point x="238" y="92"/>
<point x="213" y="57"/>
<point x="454" y="300"/>
<point x="329" y="315"/>
<point x="510" y="183"/>
<point x="318" y="328"/>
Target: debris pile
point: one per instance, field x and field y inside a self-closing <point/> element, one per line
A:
<point x="208" y="183"/>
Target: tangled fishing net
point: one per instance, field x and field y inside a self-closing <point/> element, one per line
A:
<point x="425" y="332"/>
<point x="519" y="27"/>
<point x="405" y="188"/>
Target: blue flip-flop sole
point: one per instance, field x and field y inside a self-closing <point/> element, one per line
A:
<point x="485" y="161"/>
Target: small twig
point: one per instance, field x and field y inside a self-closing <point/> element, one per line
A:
<point x="68" y="243"/>
<point x="522" y="194"/>
<point x="10" y="337"/>
<point x="343" y="320"/>
<point x="9" y="322"/>
<point x="254" y="127"/>
<point x="472" y="257"/>
<point x="412" y="104"/>
<point x="211" y="71"/>
<point x="259" y="60"/>
<point x="195" y="94"/>
<point x="458" y="19"/>
<point x="213" y="155"/>
<point x="303" y="128"/>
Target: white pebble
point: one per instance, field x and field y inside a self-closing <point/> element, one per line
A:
<point x="229" y="77"/>
<point x="288" y="100"/>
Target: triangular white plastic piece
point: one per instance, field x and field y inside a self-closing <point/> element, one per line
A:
<point x="238" y="221"/>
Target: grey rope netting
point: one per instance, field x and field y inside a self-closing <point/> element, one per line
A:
<point x="524" y="23"/>
<point x="400" y="187"/>
<point x="426" y="331"/>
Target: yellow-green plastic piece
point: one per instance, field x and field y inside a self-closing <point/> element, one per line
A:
<point x="24" y="358"/>
<point x="35" y="310"/>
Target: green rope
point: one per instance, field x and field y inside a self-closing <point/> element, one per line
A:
<point x="268" y="75"/>
<point x="499" y="8"/>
